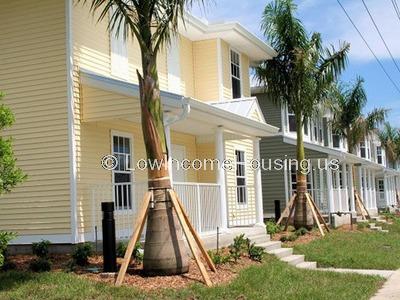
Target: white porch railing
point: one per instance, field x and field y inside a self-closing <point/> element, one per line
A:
<point x="201" y="200"/>
<point x="341" y="200"/>
<point x="320" y="197"/>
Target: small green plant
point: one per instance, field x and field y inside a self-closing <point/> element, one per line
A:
<point x="82" y="253"/>
<point x="40" y="265"/>
<point x="121" y="249"/>
<point x="238" y="247"/>
<point x="218" y="257"/>
<point x="362" y="225"/>
<point x="288" y="238"/>
<point x="272" y="227"/>
<point x="301" y="231"/>
<point x="256" y="253"/>
<point x="41" y="249"/>
<point x="5" y="238"/>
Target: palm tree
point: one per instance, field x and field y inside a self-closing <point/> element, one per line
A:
<point x="152" y="23"/>
<point x="300" y="77"/>
<point x="390" y="141"/>
<point x="348" y="120"/>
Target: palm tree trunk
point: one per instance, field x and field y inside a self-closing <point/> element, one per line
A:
<point x="302" y="217"/>
<point x="164" y="251"/>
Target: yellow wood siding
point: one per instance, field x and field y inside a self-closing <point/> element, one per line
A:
<point x="248" y="211"/>
<point x="33" y="75"/>
<point x="245" y="65"/>
<point x="206" y="151"/>
<point x="92" y="47"/>
<point x="205" y="70"/>
<point x="186" y="66"/>
<point x="226" y="70"/>
<point x="189" y="142"/>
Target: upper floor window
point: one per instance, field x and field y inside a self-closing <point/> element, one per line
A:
<point x="379" y="155"/>
<point x="235" y="74"/>
<point x="291" y="121"/>
<point x="363" y="150"/>
<point x="119" y="52"/>
<point x="336" y="140"/>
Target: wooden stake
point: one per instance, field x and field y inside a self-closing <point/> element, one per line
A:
<point x="194" y="233"/>
<point x="287" y="209"/>
<point x="190" y="239"/>
<point x="315" y="215"/>
<point x="290" y="212"/>
<point x="317" y="211"/>
<point x="138" y="227"/>
<point x="363" y="209"/>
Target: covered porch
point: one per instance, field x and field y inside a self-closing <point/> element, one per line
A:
<point x="201" y="135"/>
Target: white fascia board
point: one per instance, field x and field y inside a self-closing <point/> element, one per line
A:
<point x="196" y="29"/>
<point x="261" y="129"/>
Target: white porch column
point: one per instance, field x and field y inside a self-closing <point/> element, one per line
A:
<point x="345" y="186"/>
<point x="374" y="196"/>
<point x="330" y="190"/>
<point x="221" y="175"/>
<point x="168" y="138"/>
<point x="369" y="178"/>
<point x="365" y="189"/>
<point x="339" y="191"/>
<point x="386" y="189"/>
<point x="258" y="183"/>
<point x="351" y="189"/>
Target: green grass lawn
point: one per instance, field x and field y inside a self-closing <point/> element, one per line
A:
<point x="270" y="280"/>
<point x="356" y="250"/>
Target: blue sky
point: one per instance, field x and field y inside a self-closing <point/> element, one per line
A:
<point x="326" y="17"/>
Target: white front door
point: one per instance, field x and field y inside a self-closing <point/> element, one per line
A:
<point x="178" y="154"/>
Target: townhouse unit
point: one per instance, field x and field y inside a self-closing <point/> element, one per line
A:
<point x="73" y="88"/>
<point x="367" y="169"/>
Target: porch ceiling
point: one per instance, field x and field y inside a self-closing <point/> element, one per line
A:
<point x="106" y="98"/>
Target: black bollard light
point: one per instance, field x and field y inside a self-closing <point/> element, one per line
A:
<point x="109" y="251"/>
<point x="277" y="204"/>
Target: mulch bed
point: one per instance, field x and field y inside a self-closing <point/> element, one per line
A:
<point x="135" y="277"/>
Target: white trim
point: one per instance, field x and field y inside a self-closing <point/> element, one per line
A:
<point x="74" y="237"/>
<point x="53" y="238"/>
<point x="231" y="49"/>
<point x="220" y="71"/>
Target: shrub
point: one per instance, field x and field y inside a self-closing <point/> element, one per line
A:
<point x="121" y="249"/>
<point x="219" y="258"/>
<point x="239" y="246"/>
<point x="41" y="249"/>
<point x="256" y="253"/>
<point x="288" y="238"/>
<point x="40" y="265"/>
<point x="137" y="253"/>
<point x="82" y="253"/>
<point x="301" y="231"/>
<point x="5" y="238"/>
<point x="273" y="228"/>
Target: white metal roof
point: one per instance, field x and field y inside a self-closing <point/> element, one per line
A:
<point x="241" y="106"/>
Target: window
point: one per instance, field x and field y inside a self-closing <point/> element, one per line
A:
<point x="235" y="75"/>
<point x="306" y="127"/>
<point x="379" y="155"/>
<point x="122" y="175"/>
<point x="336" y="140"/>
<point x="363" y="151"/>
<point x="119" y="52"/>
<point x="381" y="186"/>
<point x="293" y="179"/>
<point x="291" y="121"/>
<point x="240" y="177"/>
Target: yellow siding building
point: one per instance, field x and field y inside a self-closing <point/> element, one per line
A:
<point x="73" y="88"/>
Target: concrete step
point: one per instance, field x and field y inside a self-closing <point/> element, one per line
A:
<point x="307" y="265"/>
<point x="371" y="225"/>
<point x="293" y="259"/>
<point x="384" y="230"/>
<point x="271" y="245"/>
<point x="376" y="228"/>
<point x="259" y="238"/>
<point x="359" y="220"/>
<point x="281" y="252"/>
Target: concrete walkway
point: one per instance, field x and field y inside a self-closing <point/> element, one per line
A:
<point x="391" y="288"/>
<point x="383" y="273"/>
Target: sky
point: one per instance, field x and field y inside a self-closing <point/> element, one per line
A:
<point x="326" y="17"/>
